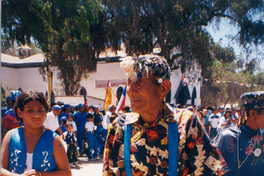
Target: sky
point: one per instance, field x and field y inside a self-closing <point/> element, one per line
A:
<point x="226" y="29"/>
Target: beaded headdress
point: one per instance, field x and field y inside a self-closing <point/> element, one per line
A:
<point x="251" y="100"/>
<point x="138" y="67"/>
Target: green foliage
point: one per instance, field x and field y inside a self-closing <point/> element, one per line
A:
<point x="141" y="25"/>
<point x="215" y="92"/>
<point x="70" y="32"/>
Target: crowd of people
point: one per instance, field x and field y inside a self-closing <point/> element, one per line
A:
<point x="83" y="128"/>
<point x="136" y="141"/>
<point x="215" y="120"/>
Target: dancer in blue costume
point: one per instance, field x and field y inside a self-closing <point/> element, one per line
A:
<point x="80" y="119"/>
<point x="32" y="150"/>
<point x="243" y="146"/>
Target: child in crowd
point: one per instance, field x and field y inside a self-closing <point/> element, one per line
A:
<point x="31" y="149"/>
<point x="71" y="145"/>
<point x="63" y="123"/>
<point x="93" y="145"/>
<point x="70" y="121"/>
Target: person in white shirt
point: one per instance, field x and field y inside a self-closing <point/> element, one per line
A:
<point x="93" y="145"/>
<point x="225" y="121"/>
<point x="51" y="121"/>
<point x="110" y="116"/>
<point x="221" y="111"/>
<point x="213" y="122"/>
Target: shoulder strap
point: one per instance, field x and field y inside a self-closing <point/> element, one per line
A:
<point x="127" y="135"/>
<point x="173" y="148"/>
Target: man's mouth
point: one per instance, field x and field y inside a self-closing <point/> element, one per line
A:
<point x="134" y="101"/>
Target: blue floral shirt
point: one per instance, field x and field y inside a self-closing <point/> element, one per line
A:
<point x="251" y="148"/>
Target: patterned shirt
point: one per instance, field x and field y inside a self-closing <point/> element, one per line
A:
<point x="149" y="146"/>
<point x="251" y="150"/>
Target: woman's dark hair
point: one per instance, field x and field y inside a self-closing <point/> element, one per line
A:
<point x="227" y="111"/>
<point x="201" y="113"/>
<point x="26" y="97"/>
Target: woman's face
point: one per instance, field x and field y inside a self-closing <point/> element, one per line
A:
<point x="199" y="115"/>
<point x="33" y="115"/>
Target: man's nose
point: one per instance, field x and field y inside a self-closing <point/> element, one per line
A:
<point x="36" y="113"/>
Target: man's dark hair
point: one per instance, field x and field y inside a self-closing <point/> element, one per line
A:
<point x="247" y="109"/>
<point x="89" y="115"/>
<point x="126" y="108"/>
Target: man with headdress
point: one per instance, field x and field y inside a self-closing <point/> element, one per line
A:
<point x="243" y="146"/>
<point x="152" y="141"/>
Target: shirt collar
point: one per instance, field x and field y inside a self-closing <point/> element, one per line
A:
<point x="167" y="115"/>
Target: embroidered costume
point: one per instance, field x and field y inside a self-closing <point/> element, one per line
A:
<point x="43" y="159"/>
<point x="149" y="146"/>
<point x="251" y="148"/>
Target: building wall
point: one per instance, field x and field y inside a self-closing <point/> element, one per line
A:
<point x="26" y="78"/>
<point x="30" y="79"/>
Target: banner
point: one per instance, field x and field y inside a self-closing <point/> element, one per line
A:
<point x="122" y="101"/>
<point x="85" y="98"/>
<point x="230" y="82"/>
<point x="108" y="96"/>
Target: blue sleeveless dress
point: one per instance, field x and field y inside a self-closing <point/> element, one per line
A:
<point x="43" y="159"/>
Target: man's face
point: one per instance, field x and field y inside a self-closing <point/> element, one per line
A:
<point x="56" y="112"/>
<point x="143" y="94"/>
<point x="81" y="109"/>
<point x="9" y="102"/>
<point x="260" y="119"/>
<point x="215" y="111"/>
<point x="221" y="110"/>
<point x="113" y="109"/>
<point x="67" y="110"/>
<point x="96" y="110"/>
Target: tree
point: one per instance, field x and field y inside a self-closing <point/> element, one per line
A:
<point x="71" y="33"/>
<point x="226" y="84"/>
<point x="180" y="24"/>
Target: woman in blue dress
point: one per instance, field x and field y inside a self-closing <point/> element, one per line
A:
<point x="31" y="149"/>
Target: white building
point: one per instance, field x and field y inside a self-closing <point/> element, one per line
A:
<point x="24" y="73"/>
